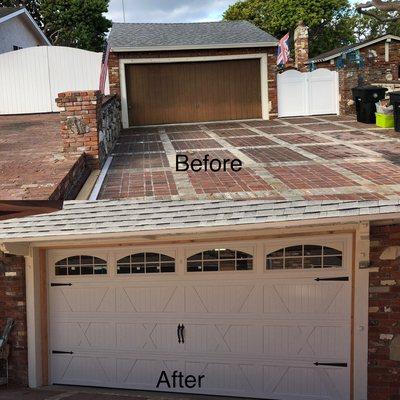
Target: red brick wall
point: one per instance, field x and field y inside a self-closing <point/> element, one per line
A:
<point x="114" y="77"/>
<point x="13" y="305"/>
<point x="80" y="114"/>
<point x="375" y="70"/>
<point x="384" y="316"/>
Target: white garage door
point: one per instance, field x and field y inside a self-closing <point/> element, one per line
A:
<point x="276" y="327"/>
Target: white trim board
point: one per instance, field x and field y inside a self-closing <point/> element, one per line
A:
<point x="127" y="61"/>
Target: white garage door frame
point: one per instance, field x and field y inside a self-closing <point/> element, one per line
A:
<point x="263" y="71"/>
<point x="308" y="93"/>
<point x="259" y="250"/>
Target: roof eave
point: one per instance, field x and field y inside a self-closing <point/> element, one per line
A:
<point x="328" y="58"/>
<point x="193" y="47"/>
<point x="39" y="241"/>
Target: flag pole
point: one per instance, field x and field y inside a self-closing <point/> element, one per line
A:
<point x="123" y="9"/>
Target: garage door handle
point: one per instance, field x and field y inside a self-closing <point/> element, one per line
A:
<point x="183" y="333"/>
<point x="60" y="284"/>
<point x="343" y="365"/>
<point x="337" y="278"/>
<point x="178" y="331"/>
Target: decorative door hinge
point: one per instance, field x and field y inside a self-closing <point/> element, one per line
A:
<point x="343" y="365"/>
<point x="62" y="352"/>
<point x="337" y="278"/>
<point x="60" y="284"/>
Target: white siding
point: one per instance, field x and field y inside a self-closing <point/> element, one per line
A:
<point x="18" y="32"/>
<point x="32" y="78"/>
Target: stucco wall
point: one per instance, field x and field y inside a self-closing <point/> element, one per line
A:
<point x="17" y="32"/>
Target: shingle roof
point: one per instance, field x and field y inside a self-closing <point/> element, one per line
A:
<point x="108" y="217"/>
<point x="202" y="34"/>
<point x="346" y="49"/>
<point x="4" y="11"/>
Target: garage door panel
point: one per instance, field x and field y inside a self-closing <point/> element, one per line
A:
<point x="220" y="298"/>
<point x="83" y="298"/>
<point x="311" y="341"/>
<point x="150" y="299"/>
<point x="324" y="298"/>
<point x="80" y="369"/>
<point x="193" y="91"/>
<point x="305" y="382"/>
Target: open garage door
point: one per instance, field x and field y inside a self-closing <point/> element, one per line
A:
<point x="165" y="93"/>
<point x="280" y="330"/>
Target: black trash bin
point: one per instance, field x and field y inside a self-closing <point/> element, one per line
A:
<point x="365" y="98"/>
<point x="395" y="102"/>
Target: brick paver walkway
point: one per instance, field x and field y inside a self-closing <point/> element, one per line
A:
<point x="32" y="163"/>
<point x="324" y="157"/>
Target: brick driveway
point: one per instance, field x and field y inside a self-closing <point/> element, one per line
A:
<point x="313" y="158"/>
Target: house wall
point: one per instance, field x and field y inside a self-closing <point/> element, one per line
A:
<point x="114" y="78"/>
<point x="375" y="71"/>
<point x="17" y="32"/>
<point x="384" y="314"/>
<point x="13" y="305"/>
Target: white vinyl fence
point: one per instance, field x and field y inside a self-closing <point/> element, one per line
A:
<point x="308" y="93"/>
<point x="31" y="78"/>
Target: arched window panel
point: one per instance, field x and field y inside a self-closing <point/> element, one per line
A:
<point x="81" y="265"/>
<point x="306" y="256"/>
<point x="145" y="263"/>
<point x="220" y="260"/>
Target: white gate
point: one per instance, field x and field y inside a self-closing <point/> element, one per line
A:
<point x="31" y="78"/>
<point x="308" y="93"/>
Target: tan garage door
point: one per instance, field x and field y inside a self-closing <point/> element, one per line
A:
<point x="193" y="91"/>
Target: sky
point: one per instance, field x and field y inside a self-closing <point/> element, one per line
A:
<point x="168" y="10"/>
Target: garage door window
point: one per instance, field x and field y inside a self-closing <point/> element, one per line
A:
<point x="81" y="265"/>
<point x="220" y="260"/>
<point x="145" y="263"/>
<point x="304" y="257"/>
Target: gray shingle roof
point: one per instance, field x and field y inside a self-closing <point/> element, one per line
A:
<point x="198" y="35"/>
<point x="108" y="217"/>
<point x="4" y="11"/>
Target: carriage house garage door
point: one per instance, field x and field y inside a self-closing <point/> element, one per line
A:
<point x="175" y="92"/>
<point x="263" y="320"/>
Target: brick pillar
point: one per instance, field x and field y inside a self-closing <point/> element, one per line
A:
<point x="384" y="314"/>
<point x="301" y="47"/>
<point x="13" y="305"/>
<point x="80" y="123"/>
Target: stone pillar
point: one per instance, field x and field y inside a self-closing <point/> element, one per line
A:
<point x="80" y="123"/>
<point x="301" y="47"/>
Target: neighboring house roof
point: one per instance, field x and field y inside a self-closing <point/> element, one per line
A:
<point x="329" y="55"/>
<point x="116" y="218"/>
<point x="6" y="13"/>
<point x="180" y="36"/>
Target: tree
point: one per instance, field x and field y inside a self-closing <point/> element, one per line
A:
<point x="331" y="22"/>
<point x="74" y="23"/>
<point x="383" y="11"/>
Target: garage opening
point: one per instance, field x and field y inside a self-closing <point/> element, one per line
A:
<point x="166" y="93"/>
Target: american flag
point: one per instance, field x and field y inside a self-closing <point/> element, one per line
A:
<point x="283" y="50"/>
<point x="104" y="69"/>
